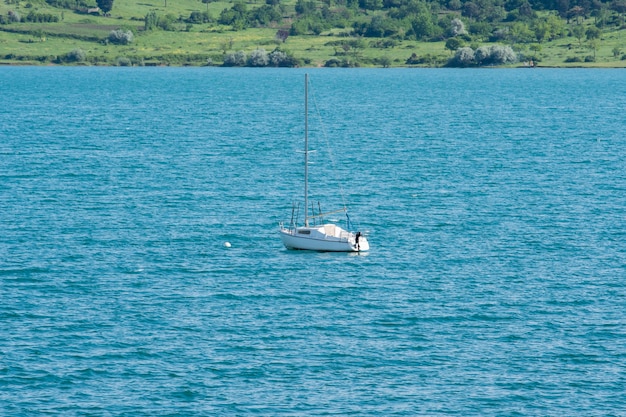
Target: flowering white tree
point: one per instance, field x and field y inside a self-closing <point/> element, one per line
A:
<point x="238" y="59"/>
<point x="121" y="37"/>
<point x="457" y="27"/>
<point x="503" y="54"/>
<point x="76" y="55"/>
<point x="258" y="58"/>
<point x="464" y="57"/>
<point x="485" y="55"/>
<point x="482" y="54"/>
<point x="277" y="58"/>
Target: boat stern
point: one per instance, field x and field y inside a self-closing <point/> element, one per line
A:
<point x="362" y="244"/>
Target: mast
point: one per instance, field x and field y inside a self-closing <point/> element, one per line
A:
<point x="306" y="150"/>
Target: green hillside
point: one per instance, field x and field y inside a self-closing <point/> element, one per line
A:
<point x="347" y="33"/>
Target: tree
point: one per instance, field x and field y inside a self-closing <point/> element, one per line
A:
<point x="371" y="4"/>
<point x="207" y="4"/>
<point x="105" y="5"/>
<point x="282" y="35"/>
<point x="305" y="7"/>
<point x="264" y="16"/>
<point x="379" y="27"/>
<point x="151" y="21"/>
<point x="236" y="16"/>
<point x="453" y="44"/>
<point x="385" y="61"/>
<point x="593" y="33"/>
<point x="616" y="52"/>
<point x="542" y="30"/>
<point x="471" y="10"/>
<point x="521" y="33"/>
<point x="500" y="54"/>
<point x="535" y="48"/>
<point x="562" y="6"/>
<point x="455" y="5"/>
<point x="526" y="10"/>
<point x="619" y="6"/>
<point x="457" y="27"/>
<point x="576" y="12"/>
<point x="579" y="32"/>
<point x="600" y="15"/>
<point x="168" y="22"/>
<point x="423" y="25"/>
<point x="227" y="45"/>
<point x="593" y="38"/>
<point x="594" y="44"/>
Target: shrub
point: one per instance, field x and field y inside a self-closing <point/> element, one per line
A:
<point x="70" y="4"/>
<point x="332" y="63"/>
<point x="427" y="59"/>
<point x="237" y="59"/>
<point x="454" y="43"/>
<point x="14" y="17"/>
<point x="481" y="55"/>
<point x="484" y="55"/>
<point x="120" y="37"/>
<point x="168" y="22"/>
<point x="464" y="57"/>
<point x="124" y="62"/>
<point x="41" y="17"/>
<point x="258" y="58"/>
<point x="413" y="59"/>
<point x="76" y="55"/>
<point x="199" y="17"/>
<point x="383" y="43"/>
<point x="500" y="54"/>
<point x="344" y="63"/>
<point x="279" y="58"/>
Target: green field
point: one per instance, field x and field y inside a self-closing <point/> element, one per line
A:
<point x="207" y="43"/>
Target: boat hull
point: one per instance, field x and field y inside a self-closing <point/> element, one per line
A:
<point x="292" y="240"/>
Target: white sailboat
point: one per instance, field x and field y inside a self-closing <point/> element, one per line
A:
<point x="323" y="237"/>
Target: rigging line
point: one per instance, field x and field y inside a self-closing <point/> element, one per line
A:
<point x="328" y="147"/>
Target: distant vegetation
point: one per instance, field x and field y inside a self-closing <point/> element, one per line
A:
<point x="333" y="33"/>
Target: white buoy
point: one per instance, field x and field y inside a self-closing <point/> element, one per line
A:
<point x="227" y="244"/>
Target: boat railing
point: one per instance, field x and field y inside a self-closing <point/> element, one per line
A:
<point x="346" y="236"/>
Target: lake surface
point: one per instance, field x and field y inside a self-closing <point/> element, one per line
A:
<point x="494" y="202"/>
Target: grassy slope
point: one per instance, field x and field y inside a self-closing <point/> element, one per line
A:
<point x="81" y="31"/>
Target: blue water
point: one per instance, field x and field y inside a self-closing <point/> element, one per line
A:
<point x="494" y="202"/>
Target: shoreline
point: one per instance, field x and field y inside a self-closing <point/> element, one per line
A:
<point x="518" y="66"/>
